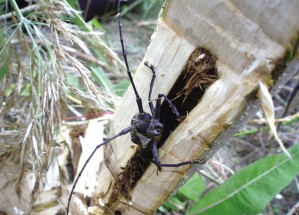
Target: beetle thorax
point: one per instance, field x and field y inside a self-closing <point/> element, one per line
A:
<point x="147" y="129"/>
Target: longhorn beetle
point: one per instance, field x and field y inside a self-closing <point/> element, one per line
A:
<point x="146" y="128"/>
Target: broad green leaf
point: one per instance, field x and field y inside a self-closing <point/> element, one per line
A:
<point x="174" y="203"/>
<point x="252" y="188"/>
<point x="193" y="188"/>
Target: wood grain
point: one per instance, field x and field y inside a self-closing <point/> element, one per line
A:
<point x="248" y="39"/>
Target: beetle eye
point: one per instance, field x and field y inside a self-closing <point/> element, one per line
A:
<point x="157" y="132"/>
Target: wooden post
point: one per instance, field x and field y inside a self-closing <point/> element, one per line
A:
<point x="249" y="39"/>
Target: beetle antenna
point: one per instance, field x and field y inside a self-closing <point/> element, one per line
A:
<point x="138" y="99"/>
<point x="123" y="132"/>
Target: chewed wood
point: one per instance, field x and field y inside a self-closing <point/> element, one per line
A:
<point x="247" y="44"/>
<point x="247" y="52"/>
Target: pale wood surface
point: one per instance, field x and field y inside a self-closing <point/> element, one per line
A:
<point x="247" y="38"/>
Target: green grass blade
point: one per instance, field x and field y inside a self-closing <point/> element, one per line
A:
<point x="251" y="189"/>
<point x="97" y="24"/>
<point x="4" y="61"/>
<point x="3" y="66"/>
<point x="121" y="87"/>
<point x="100" y="76"/>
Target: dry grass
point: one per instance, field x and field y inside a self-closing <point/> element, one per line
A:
<point x="39" y="50"/>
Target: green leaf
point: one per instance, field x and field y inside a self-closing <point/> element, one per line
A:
<point x="193" y="188"/>
<point x="121" y="87"/>
<point x="4" y="61"/>
<point x="74" y="4"/>
<point x="73" y="81"/>
<point x="26" y="90"/>
<point x="174" y="203"/>
<point x="77" y="18"/>
<point x="97" y="24"/>
<point x="246" y="133"/>
<point x="3" y="68"/>
<point x="252" y="188"/>
<point x="100" y="76"/>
